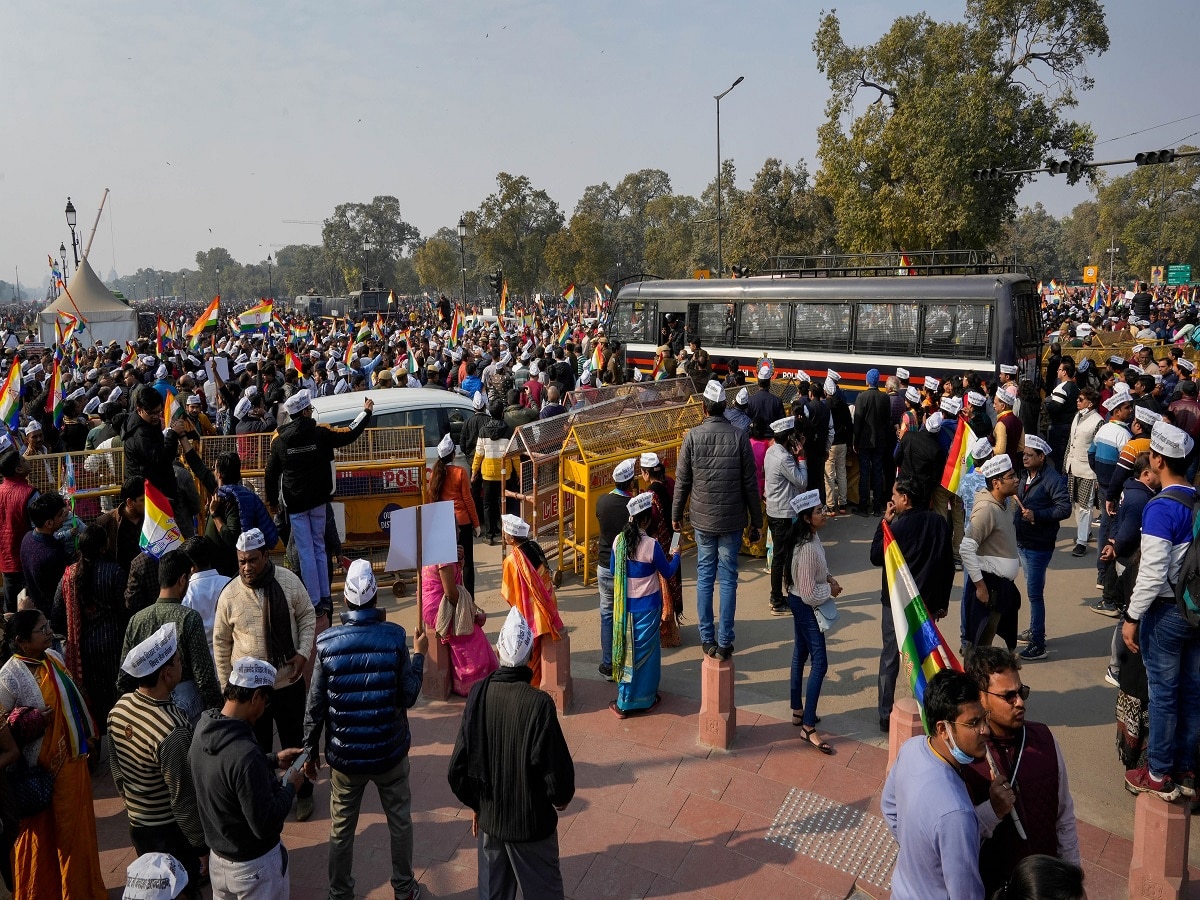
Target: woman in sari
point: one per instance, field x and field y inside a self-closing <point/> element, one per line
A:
<point x="471" y="656"/>
<point x="89" y="611"/>
<point x="657" y="483"/>
<point x="56" y="853"/>
<point x="526" y="584"/>
<point x="638" y="563"/>
<point x="450" y="482"/>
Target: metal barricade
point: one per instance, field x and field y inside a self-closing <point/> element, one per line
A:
<point x="97" y="475"/>
<point x="787" y="388"/>
<point x="668" y="392"/>
<point x="591" y="451"/>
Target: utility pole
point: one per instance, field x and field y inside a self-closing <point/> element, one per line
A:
<point x="1112" y="252"/>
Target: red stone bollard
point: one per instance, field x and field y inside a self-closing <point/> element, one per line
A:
<point x="905" y="723"/>
<point x="437" y="679"/>
<point x="718" y="714"/>
<point x="556" y="672"/>
<point x="1160" y="849"/>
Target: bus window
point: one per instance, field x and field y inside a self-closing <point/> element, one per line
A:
<point x="632" y="321"/>
<point x="764" y="325"/>
<point x="1029" y="323"/>
<point x="822" y="326"/>
<point x="714" y="322"/>
<point x="885" y="328"/>
<point x="957" y="329"/>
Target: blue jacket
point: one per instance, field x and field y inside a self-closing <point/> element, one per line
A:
<point x="1047" y="497"/>
<point x="1127" y="536"/>
<point x="252" y="512"/>
<point x="363" y="682"/>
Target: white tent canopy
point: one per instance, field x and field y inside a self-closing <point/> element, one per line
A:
<point x="108" y="319"/>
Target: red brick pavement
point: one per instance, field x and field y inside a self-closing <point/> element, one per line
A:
<point x="654" y="815"/>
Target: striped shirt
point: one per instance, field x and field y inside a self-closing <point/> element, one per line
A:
<point x="150" y="740"/>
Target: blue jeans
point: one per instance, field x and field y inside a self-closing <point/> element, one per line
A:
<point x="870" y="480"/>
<point x="605" y="579"/>
<point x="1035" y="563"/>
<point x="308" y="527"/>
<point x="717" y="552"/>
<point x="810" y="643"/>
<point x="1171" y="651"/>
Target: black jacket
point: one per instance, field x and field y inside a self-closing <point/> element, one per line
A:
<point x="301" y="456"/>
<point x="527" y="763"/>
<point x="873" y="421"/>
<point x="924" y="541"/>
<point x="151" y="455"/>
<point x="716" y="470"/>
<point x="922" y="459"/>
<point x="470" y="433"/>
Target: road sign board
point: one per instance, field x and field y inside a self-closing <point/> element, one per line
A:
<point x="1091" y="274"/>
<point x="1179" y="274"/>
<point x="1157" y="275"/>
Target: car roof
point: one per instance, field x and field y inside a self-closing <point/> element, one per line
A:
<point x="387" y="400"/>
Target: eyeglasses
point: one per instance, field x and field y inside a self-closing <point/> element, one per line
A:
<point x="1010" y="697"/>
<point x="43" y="629"/>
<point x="979" y="724"/>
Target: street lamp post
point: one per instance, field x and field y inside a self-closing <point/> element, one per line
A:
<point x="184" y="287"/>
<point x="270" y="283"/>
<point x="162" y="286"/>
<point x="1112" y="251"/>
<point x="62" y="254"/>
<point x="462" y="255"/>
<point x="72" y="218"/>
<point x="366" y="261"/>
<point x="218" y="281"/>
<point x="718" y="97"/>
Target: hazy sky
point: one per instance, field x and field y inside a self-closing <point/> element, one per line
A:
<point x="214" y="122"/>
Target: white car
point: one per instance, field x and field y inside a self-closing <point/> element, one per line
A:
<point x="439" y="412"/>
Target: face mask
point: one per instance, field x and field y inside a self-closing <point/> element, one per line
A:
<point x="962" y="758"/>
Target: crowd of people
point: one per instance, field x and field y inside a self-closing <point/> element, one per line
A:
<point x="184" y="665"/>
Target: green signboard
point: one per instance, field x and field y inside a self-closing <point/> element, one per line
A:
<point x="1179" y="274"/>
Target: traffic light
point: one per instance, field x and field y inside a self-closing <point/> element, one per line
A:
<point x="1065" y="167"/>
<point x="1152" y="157"/>
<point x="496" y="280"/>
<point x="987" y="174"/>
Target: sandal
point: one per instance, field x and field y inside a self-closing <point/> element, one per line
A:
<point x="798" y="717"/>
<point x="808" y="734"/>
<point x="616" y="710"/>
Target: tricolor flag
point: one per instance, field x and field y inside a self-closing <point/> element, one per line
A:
<point x="364" y="331"/>
<point x="10" y="396"/>
<point x="504" y="298"/>
<point x="412" y="362"/>
<point x="597" y="360"/>
<point x="923" y="650"/>
<point x="291" y="360"/>
<point x="171" y="408"/>
<point x="563" y="334"/>
<point x="959" y="459"/>
<point x="208" y="319"/>
<point x="54" y="399"/>
<point x="456" y="326"/>
<point x="569" y="294"/>
<point x="348" y="352"/>
<point x="391" y="298"/>
<point x="300" y="333"/>
<point x="377" y="328"/>
<point x="130" y="356"/>
<point x="160" y="534"/>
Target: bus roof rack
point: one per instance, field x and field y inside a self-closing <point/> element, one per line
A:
<point x="914" y="262"/>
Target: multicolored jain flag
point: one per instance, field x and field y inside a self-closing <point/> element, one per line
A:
<point x="923" y="650"/>
<point x="160" y="534"/>
<point x="959" y="460"/>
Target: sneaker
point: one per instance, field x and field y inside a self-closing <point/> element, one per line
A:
<point x="1033" y="651"/>
<point x="1024" y="636"/>
<point x="1105" y="608"/>
<point x="725" y="651"/>
<point x="958" y="565"/>
<point x="1110" y="677"/>
<point x="780" y="610"/>
<point x="605" y="670"/>
<point x="1138" y="781"/>
<point x="1080" y="550"/>
<point x="1186" y="782"/>
<point x="304" y="809"/>
<point x="1099" y="584"/>
<point x="709" y="648"/>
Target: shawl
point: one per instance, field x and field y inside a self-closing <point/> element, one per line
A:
<point x="19" y="682"/>
<point x="74" y="623"/>
<point x="622" y="645"/>
<point x="526" y="588"/>
<point x="456" y="619"/>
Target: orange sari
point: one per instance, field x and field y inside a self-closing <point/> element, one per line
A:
<point x="531" y="591"/>
<point x="56" y="854"/>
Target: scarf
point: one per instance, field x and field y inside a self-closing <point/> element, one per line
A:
<point x="277" y="617"/>
<point x="622" y="645"/>
<point x="80" y="725"/>
<point x="74" y="623"/>
<point x="475" y="742"/>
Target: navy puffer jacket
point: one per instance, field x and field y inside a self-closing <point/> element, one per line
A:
<point x="363" y="683"/>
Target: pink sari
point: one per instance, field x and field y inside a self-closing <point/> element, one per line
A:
<point x="471" y="656"/>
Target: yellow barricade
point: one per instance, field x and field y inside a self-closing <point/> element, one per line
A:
<point x="97" y="476"/>
<point x="591" y="452"/>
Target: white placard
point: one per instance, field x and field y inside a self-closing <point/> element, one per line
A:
<point x="339" y="520"/>
<point x="438" y="536"/>
<point x="1129" y="295"/>
<point x="222" y="368"/>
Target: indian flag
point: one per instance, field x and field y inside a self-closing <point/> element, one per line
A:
<point x="208" y="319"/>
<point x="597" y="359"/>
<point x="54" y="399"/>
<point x="569" y="294"/>
<point x="171" y="408"/>
<point x="348" y="352"/>
<point x="959" y="460"/>
<point x="364" y="331"/>
<point x="69" y="328"/>
<point x="160" y="534"/>
<point x="10" y="396"/>
<point x="291" y="360"/>
<point x="412" y="362"/>
<point x="923" y="650"/>
<point x="130" y="356"/>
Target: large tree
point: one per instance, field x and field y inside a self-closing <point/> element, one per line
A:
<point x="511" y="228"/>
<point x="1035" y="238"/>
<point x="438" y="265"/>
<point x="909" y="118"/>
<point x="779" y="214"/>
<point x="378" y="223"/>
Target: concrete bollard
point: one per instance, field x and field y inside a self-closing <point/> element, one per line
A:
<point x="718" y="714"/>
<point x="556" y="672"/>
<point x="905" y="723"/>
<point x="437" y="679"/>
<point x="1160" y="849"/>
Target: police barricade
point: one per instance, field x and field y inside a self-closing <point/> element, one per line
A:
<point x="90" y="479"/>
<point x="534" y="449"/>
<point x="786" y="388"/>
<point x="591" y="451"/>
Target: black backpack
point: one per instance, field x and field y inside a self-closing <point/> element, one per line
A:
<point x="1187" y="587"/>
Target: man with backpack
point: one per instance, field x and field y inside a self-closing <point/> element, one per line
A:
<point x="1164" y="632"/>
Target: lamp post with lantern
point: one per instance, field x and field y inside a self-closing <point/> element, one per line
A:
<point x="462" y="254"/>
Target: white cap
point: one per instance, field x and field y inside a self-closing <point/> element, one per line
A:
<point x="153" y="653"/>
<point x="445" y="447"/>
<point x="239" y="368"/>
<point x="975" y="398"/>
<point x="298" y="402"/>
<point x="1116" y="360"/>
<point x="714" y="392"/>
<point x="1146" y="415"/>
<point x="1005" y="397"/>
<point x="515" y="641"/>
<point x="807" y="500"/>
<point x="1137" y="348"/>
<point x="801" y="375"/>
<point x="360" y="586"/>
<point x="1008" y="370"/>
<point x="115" y="393"/>
<point x="1170" y="441"/>
<point x="342" y="387"/>
<point x="912" y="395"/>
<point x="1083" y="330"/>
<point x="252" y="673"/>
<point x="160" y="372"/>
<point x="784" y="425"/>
<point x="193" y="400"/>
<point x="243" y="408"/>
<point x="154" y="876"/>
<point x="1119" y="398"/>
<point x="997" y="465"/>
<point x="833" y="376"/>
<point x="1035" y="442"/>
<point x="649" y="460"/>
<point x="514" y="525"/>
<point x="951" y="406"/>
<point x="625" y="470"/>
<point x="742" y="398"/>
<point x="253" y="539"/>
<point x="250" y="392"/>
<point x="980" y="449"/>
<point x="1186" y="364"/>
<point x="34" y="425"/>
<point x="932" y="382"/>
<point x="1136" y="369"/>
<point x="902" y="374"/>
<point x="76" y="394"/>
<point x="477" y="401"/>
<point x="640" y="503"/>
<point x="534" y="371"/>
<point x="933" y="424"/>
<point x="637" y="374"/>
<point x="830" y="385"/>
<point x="91" y="406"/>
